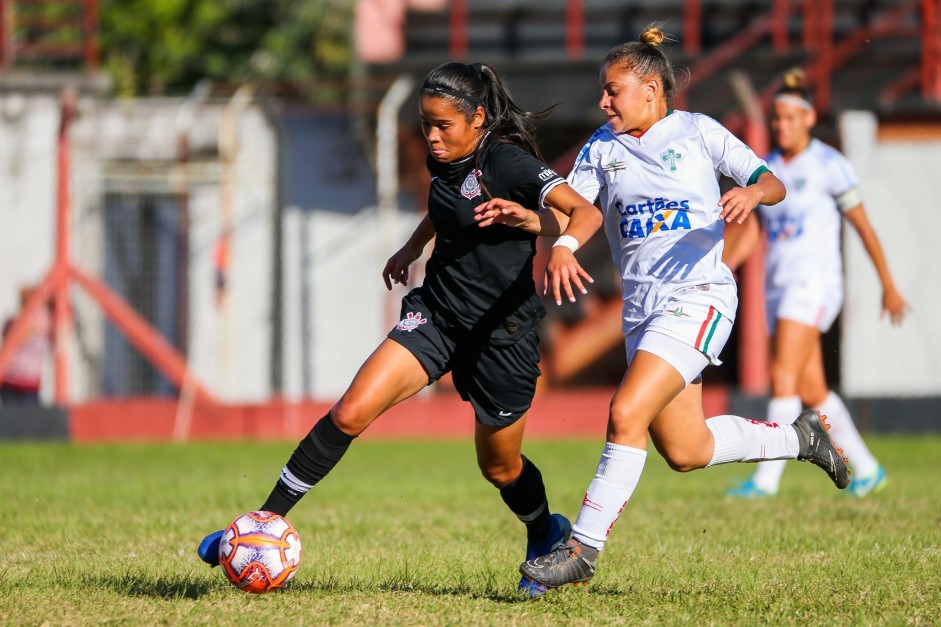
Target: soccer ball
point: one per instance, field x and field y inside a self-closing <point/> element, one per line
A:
<point x="260" y="551"/>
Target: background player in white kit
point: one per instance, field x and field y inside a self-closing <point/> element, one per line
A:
<point x="655" y="171"/>
<point x="804" y="281"/>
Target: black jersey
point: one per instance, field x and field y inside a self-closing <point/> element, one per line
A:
<point x="481" y="279"/>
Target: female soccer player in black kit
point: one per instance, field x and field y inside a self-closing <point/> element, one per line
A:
<point x="475" y="315"/>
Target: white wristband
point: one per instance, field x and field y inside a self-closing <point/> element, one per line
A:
<point x="568" y="241"/>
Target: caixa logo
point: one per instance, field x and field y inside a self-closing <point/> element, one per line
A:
<point x="784" y="227"/>
<point x="652" y="216"/>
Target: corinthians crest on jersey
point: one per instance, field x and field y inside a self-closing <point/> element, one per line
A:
<point x="470" y="188"/>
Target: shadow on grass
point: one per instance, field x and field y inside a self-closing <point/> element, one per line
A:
<point x="328" y="586"/>
<point x="167" y="588"/>
<point x="481" y="589"/>
<point x="183" y="587"/>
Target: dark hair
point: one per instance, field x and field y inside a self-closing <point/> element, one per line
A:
<point x="470" y="86"/>
<point x="794" y="83"/>
<point x="644" y="58"/>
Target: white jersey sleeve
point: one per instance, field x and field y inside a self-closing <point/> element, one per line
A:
<point x="586" y="177"/>
<point x="843" y="184"/>
<point x="730" y="155"/>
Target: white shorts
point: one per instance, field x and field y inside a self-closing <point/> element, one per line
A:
<point x="810" y="301"/>
<point x="687" y="331"/>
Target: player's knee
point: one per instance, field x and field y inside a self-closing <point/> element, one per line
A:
<point x="499" y="475"/>
<point x="783" y="381"/>
<point x="624" y="425"/>
<point x="350" y="417"/>
<point x="685" y="460"/>
<point x="813" y="395"/>
<point x="501" y="472"/>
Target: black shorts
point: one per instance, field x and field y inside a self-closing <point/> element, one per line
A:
<point x="499" y="381"/>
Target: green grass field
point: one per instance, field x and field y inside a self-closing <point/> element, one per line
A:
<point x="408" y="533"/>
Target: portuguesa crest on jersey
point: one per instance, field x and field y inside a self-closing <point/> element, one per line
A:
<point x="470" y="188"/>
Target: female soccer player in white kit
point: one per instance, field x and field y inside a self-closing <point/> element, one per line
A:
<point x="656" y="173"/>
<point x="804" y="281"/>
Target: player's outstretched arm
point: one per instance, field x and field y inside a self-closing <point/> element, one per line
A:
<point x="545" y="222"/>
<point x="396" y="268"/>
<point x="738" y="202"/>
<point x="563" y="270"/>
<point x="892" y="301"/>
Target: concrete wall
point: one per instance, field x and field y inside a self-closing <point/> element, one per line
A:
<point x="28" y="126"/>
<point x="337" y="309"/>
<point x="901" y="188"/>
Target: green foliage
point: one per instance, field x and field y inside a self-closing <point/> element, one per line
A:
<point x="408" y="533"/>
<point x="156" y="47"/>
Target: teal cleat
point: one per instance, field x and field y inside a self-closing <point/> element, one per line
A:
<point x="209" y="548"/>
<point x="864" y="486"/>
<point x="559" y="532"/>
<point x="748" y="489"/>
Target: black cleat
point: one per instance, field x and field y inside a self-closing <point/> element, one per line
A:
<point x="573" y="562"/>
<point x="817" y="448"/>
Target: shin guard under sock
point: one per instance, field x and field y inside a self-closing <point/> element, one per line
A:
<point x="526" y="497"/>
<point x="314" y="457"/>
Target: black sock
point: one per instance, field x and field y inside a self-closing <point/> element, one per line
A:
<point x="314" y="457"/>
<point x="526" y="497"/>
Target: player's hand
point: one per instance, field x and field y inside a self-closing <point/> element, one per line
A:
<point x="396" y="268"/>
<point x="500" y="211"/>
<point x="894" y="305"/>
<point x="738" y="202"/>
<point x="562" y="271"/>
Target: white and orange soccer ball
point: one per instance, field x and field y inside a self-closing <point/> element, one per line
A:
<point x="260" y="552"/>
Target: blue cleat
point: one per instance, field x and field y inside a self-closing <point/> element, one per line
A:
<point x="209" y="548"/>
<point x="863" y="486"/>
<point x="749" y="490"/>
<point x="559" y="532"/>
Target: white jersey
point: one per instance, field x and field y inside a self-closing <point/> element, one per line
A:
<point x="803" y="230"/>
<point x="660" y="198"/>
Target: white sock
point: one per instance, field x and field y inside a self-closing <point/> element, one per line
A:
<point x="618" y="472"/>
<point x="845" y="435"/>
<point x="783" y="410"/>
<point x="741" y="440"/>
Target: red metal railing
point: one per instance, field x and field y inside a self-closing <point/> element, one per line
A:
<point x="817" y="37"/>
<point x="35" y="29"/>
<point x="6" y="34"/>
<point x="692" y="22"/>
<point x="931" y="50"/>
<point x="574" y="29"/>
<point x="458" y="18"/>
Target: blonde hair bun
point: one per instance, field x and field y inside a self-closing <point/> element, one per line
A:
<point x="794" y="78"/>
<point x="652" y="36"/>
